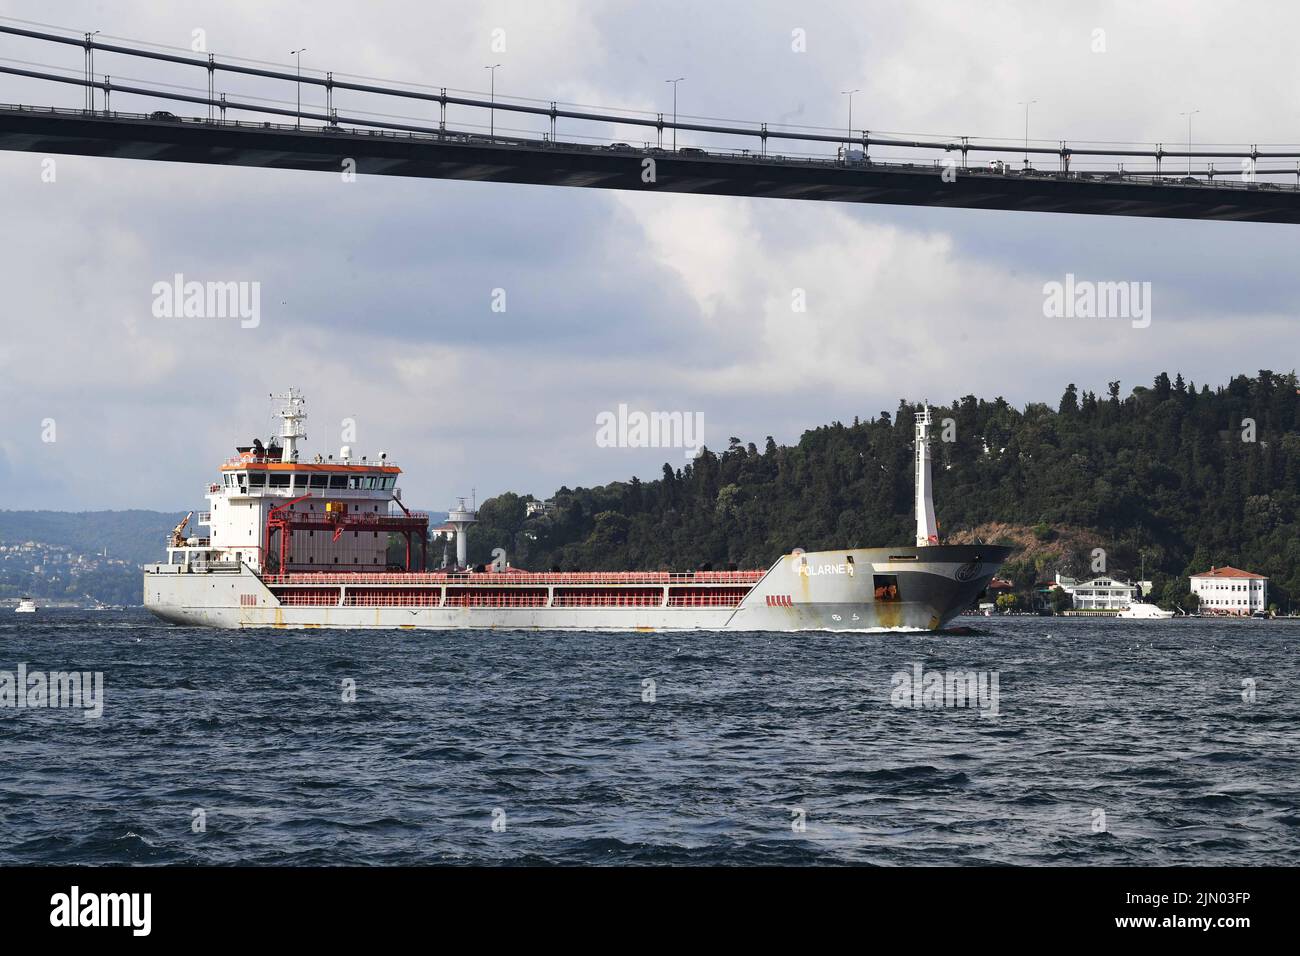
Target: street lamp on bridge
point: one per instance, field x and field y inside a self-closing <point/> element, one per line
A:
<point x="90" y="72"/>
<point x="298" y="53"/>
<point x="492" y="99"/>
<point x="1189" y="114"/>
<point x="849" y="143"/>
<point x="674" y="83"/>
<point x="1026" y="104"/>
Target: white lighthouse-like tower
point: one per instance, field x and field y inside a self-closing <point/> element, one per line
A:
<point x="460" y="518"/>
<point x="927" y="528"/>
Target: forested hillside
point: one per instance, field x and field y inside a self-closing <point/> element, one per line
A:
<point x="136" y="536"/>
<point x="1182" y="476"/>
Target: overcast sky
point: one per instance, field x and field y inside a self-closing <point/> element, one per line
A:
<point x="377" y="295"/>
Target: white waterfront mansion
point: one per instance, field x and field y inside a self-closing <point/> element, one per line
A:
<point x="1098" y="594"/>
<point x="1230" y="590"/>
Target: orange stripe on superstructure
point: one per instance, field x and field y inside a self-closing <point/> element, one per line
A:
<point x="299" y="466"/>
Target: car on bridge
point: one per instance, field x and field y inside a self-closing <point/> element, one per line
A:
<point x="692" y="151"/>
<point x="164" y="117"/>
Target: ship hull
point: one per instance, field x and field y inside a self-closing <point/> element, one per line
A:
<point x="857" y="589"/>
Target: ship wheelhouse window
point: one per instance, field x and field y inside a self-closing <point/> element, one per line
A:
<point x="354" y="482"/>
<point x="320" y="481"/>
<point x="242" y="479"/>
<point x="256" y="480"/>
<point x="279" y="479"/>
<point x="338" y="481"/>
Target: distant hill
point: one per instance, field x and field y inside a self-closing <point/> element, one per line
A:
<point x="50" y="572"/>
<point x="136" y="536"/>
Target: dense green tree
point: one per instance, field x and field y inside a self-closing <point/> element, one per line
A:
<point x="1166" y="471"/>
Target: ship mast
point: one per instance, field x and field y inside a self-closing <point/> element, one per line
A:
<point x="927" y="528"/>
<point x="293" y="412"/>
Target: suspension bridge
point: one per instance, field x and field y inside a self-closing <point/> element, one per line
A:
<point x="466" y="142"/>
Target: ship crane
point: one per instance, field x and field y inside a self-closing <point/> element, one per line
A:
<point x="335" y="520"/>
<point x="178" y="532"/>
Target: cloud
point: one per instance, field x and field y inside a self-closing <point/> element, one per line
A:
<point x="377" y="294"/>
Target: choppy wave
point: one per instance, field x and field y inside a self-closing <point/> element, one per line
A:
<point x="1111" y="745"/>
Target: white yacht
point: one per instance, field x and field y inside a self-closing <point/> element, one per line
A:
<point x="25" y="606"/>
<point x="1141" y="611"/>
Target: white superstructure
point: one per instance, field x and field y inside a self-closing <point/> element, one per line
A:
<point x="267" y="489"/>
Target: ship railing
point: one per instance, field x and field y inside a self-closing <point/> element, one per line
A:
<point x="616" y="598"/>
<point x="214" y="566"/>
<point x="707" y="599"/>
<point x="313" y="460"/>
<point x="380" y="517"/>
<point x="516" y="578"/>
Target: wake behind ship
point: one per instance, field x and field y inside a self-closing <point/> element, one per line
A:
<point x="297" y="543"/>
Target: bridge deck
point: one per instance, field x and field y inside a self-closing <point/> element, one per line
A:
<point x="453" y="155"/>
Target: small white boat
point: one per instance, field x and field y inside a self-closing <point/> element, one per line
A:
<point x="25" y="606"/>
<point x="1140" y="611"/>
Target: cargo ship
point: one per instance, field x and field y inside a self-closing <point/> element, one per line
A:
<point x="303" y="542"/>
